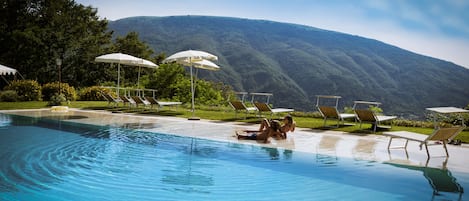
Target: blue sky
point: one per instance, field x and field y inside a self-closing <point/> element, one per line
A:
<point x="437" y="28"/>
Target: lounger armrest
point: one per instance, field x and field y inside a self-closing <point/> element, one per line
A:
<point x="385" y="118"/>
<point x="251" y="108"/>
<point x="347" y="116"/>
<point x="277" y="110"/>
<point x="168" y="103"/>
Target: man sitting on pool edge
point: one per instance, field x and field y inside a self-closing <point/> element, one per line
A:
<point x="273" y="129"/>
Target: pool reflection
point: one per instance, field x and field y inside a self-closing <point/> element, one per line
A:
<point x="441" y="181"/>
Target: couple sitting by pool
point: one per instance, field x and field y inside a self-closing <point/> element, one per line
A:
<point x="268" y="129"/>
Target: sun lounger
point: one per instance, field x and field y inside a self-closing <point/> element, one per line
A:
<point x="331" y="112"/>
<point x="240" y="106"/>
<point x="139" y="101"/>
<point x="264" y="107"/>
<point x="439" y="134"/>
<point x="110" y="99"/>
<point x="367" y="115"/>
<point x="159" y="104"/>
<point x="127" y="100"/>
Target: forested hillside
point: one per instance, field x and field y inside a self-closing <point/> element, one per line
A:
<point x="298" y="62"/>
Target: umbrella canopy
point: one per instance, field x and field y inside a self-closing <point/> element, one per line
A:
<point x="7" y="70"/>
<point x="147" y="64"/>
<point x="125" y="59"/>
<point x="189" y="56"/>
<point x="205" y="64"/>
<point x="119" y="58"/>
<point x="194" y="59"/>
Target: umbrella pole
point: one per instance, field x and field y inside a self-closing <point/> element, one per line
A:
<point x="193" y="106"/>
<point x="138" y="81"/>
<point x="118" y="77"/>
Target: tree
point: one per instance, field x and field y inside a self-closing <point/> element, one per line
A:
<point x="36" y="32"/>
<point x="172" y="82"/>
<point x="132" y="45"/>
<point x="164" y="80"/>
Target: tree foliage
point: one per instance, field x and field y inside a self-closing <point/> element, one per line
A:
<point x="132" y="45"/>
<point x="172" y="82"/>
<point x="36" y="32"/>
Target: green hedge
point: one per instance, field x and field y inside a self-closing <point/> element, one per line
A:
<point x="27" y="90"/>
<point x="9" y="96"/>
<point x="50" y="89"/>
<point x="92" y="93"/>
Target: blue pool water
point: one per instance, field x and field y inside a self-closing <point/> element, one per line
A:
<point x="45" y="159"/>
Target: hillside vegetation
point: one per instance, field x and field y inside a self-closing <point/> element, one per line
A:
<point x="297" y="62"/>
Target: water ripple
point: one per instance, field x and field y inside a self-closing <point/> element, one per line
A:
<point x="62" y="162"/>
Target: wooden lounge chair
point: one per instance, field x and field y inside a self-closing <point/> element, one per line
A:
<point x="331" y="112"/>
<point x="127" y="100"/>
<point x="439" y="134"/>
<point x="240" y="106"/>
<point x="264" y="107"/>
<point x="111" y="99"/>
<point x="139" y="101"/>
<point x="367" y="115"/>
<point x="159" y="104"/>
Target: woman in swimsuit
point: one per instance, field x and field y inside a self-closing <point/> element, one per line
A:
<point x="288" y="125"/>
<point x="272" y="130"/>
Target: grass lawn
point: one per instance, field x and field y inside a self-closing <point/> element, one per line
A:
<point x="223" y="114"/>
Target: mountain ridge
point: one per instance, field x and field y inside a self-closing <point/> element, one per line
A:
<point x="297" y="62"/>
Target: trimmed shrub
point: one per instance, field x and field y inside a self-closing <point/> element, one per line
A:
<point x="49" y="89"/>
<point x="56" y="100"/>
<point x="92" y="93"/>
<point x="27" y="90"/>
<point x="9" y="96"/>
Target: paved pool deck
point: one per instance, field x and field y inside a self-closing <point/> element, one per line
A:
<point x="356" y="146"/>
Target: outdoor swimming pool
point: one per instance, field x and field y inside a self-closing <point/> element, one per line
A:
<point x="47" y="159"/>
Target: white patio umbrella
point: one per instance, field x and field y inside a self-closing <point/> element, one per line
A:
<point x="205" y="64"/>
<point x="125" y="59"/>
<point x="7" y="70"/>
<point x="4" y="70"/>
<point x="194" y="59"/>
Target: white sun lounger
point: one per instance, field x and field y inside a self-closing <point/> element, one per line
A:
<point x="439" y="134"/>
<point x="331" y="112"/>
<point x="110" y="99"/>
<point x="367" y="115"/>
<point x="264" y="107"/>
<point x="240" y="106"/>
<point x="153" y="101"/>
